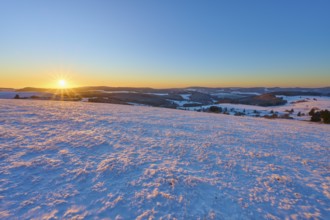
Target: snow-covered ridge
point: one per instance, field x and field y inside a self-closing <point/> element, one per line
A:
<point x="82" y="160"/>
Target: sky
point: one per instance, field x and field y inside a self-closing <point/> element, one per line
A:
<point x="165" y="43"/>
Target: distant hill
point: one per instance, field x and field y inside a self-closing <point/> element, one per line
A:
<point x="322" y="90"/>
<point x="259" y="100"/>
<point x="33" y="89"/>
<point x="7" y="89"/>
<point x="177" y="97"/>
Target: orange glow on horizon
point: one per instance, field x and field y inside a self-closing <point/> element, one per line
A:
<point x="65" y="78"/>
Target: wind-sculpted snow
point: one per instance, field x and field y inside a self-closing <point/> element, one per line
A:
<point x="80" y="160"/>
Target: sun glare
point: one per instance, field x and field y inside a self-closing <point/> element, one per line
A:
<point x="62" y="83"/>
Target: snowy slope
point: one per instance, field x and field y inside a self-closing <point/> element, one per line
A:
<point x="94" y="161"/>
<point x="302" y="104"/>
<point x="12" y="94"/>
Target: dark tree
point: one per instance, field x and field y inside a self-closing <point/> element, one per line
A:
<point x="16" y="96"/>
<point x="312" y="112"/>
<point x="215" y="109"/>
<point x="316" y="117"/>
<point x="299" y="114"/>
<point x="239" y="113"/>
<point x="325" y="115"/>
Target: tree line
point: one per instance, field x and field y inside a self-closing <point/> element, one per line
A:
<point x="318" y="116"/>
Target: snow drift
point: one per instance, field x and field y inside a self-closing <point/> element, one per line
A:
<point x="83" y="160"/>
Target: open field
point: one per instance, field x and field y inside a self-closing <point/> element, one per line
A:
<point x="85" y="160"/>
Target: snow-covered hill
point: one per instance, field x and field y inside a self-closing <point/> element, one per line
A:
<point x="83" y="160"/>
<point x="302" y="104"/>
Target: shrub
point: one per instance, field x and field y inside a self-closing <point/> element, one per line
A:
<point x="312" y="112"/>
<point x="316" y="117"/>
<point x="271" y="116"/>
<point x="325" y="115"/>
<point x="239" y="113"/>
<point x="286" y="116"/>
<point x="215" y="109"/>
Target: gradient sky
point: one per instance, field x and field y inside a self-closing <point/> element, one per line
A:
<point x="165" y="43"/>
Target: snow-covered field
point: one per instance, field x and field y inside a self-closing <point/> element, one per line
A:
<point x="302" y="104"/>
<point x="12" y="94"/>
<point x="75" y="160"/>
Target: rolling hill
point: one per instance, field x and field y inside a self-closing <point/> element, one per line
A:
<point x="90" y="160"/>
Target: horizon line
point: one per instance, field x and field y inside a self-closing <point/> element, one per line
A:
<point x="186" y="87"/>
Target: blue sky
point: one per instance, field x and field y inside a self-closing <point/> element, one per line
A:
<point x="165" y="43"/>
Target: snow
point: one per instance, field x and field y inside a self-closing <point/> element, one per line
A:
<point x="159" y="94"/>
<point x="182" y="103"/>
<point x="11" y="94"/>
<point x="245" y="93"/>
<point x="105" y="91"/>
<point x="76" y="160"/>
<point x="85" y="99"/>
<point x="301" y="104"/>
<point x="304" y="104"/>
<point x="185" y="96"/>
<point x="136" y="104"/>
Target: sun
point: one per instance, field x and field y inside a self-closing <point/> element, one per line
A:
<point x="62" y="83"/>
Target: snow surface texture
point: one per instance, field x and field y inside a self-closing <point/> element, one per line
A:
<point x="84" y="160"/>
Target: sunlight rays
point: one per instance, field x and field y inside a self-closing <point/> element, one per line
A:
<point x="62" y="84"/>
